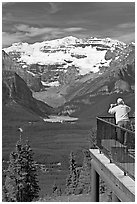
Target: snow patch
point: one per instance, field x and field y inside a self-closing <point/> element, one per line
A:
<point x="24" y="66"/>
<point x="54" y="83"/>
<point x="31" y="73"/>
<point x="64" y="50"/>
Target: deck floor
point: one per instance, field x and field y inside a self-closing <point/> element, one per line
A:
<point x="122" y="186"/>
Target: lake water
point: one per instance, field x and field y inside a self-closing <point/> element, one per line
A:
<point x="61" y="119"/>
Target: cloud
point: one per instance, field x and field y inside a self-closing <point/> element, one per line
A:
<point x="23" y="32"/>
<point x="124" y="32"/>
<point x="127" y="38"/>
<point x="74" y="29"/>
<point x="33" y="31"/>
<point x="54" y="7"/>
<point x="22" y="27"/>
<point x="126" y="25"/>
<point x="8" y="38"/>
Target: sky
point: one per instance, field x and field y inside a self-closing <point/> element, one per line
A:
<point x="39" y="21"/>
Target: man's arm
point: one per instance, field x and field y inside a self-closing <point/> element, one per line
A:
<point x="112" y="109"/>
<point x="128" y="109"/>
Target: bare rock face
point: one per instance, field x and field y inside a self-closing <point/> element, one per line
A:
<point x="104" y="89"/>
<point x="5" y="94"/>
<point x="122" y="86"/>
<point x="9" y="65"/>
<point x="17" y="90"/>
<point x="14" y="88"/>
<point x="110" y="55"/>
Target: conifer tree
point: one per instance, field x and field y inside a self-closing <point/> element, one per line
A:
<point x="72" y="179"/>
<point x="84" y="177"/>
<point x="54" y="189"/>
<point x="21" y="183"/>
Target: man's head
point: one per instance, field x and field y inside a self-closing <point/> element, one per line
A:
<point x="120" y="101"/>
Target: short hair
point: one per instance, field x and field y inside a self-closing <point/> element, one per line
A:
<point x="120" y="101"/>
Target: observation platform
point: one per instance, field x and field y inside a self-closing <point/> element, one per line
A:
<point x="113" y="161"/>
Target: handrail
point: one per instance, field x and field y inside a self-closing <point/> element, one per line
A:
<point x="117" y="143"/>
<point x="115" y="125"/>
<point x="112" y="116"/>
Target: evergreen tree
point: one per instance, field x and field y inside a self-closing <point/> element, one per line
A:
<point x="54" y="189"/>
<point x="92" y="138"/>
<point x="4" y="194"/>
<point x="84" y="185"/>
<point x="72" y="179"/>
<point x="21" y="183"/>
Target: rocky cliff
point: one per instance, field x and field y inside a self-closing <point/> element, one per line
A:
<point x="9" y="64"/>
<point x="14" y="88"/>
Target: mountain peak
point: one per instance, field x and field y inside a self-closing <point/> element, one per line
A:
<point x="86" y="55"/>
<point x="66" y="41"/>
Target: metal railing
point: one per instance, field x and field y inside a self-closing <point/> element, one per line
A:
<point x="117" y="143"/>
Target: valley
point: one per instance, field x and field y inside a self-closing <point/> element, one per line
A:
<point x="50" y="96"/>
<point x="53" y="142"/>
<point x="54" y="90"/>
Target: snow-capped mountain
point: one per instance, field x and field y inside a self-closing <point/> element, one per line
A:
<point x="85" y="55"/>
<point x="73" y="67"/>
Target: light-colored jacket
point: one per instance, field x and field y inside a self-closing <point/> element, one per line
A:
<point x="121" y="112"/>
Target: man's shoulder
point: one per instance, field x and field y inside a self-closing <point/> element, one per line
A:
<point x="126" y="106"/>
<point x="118" y="107"/>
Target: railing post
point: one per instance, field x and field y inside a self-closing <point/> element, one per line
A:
<point x="125" y="173"/>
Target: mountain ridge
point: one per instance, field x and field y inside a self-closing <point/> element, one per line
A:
<point x="78" y="52"/>
<point x="14" y="89"/>
<point x="94" y="66"/>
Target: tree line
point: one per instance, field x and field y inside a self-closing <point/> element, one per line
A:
<point x="21" y="180"/>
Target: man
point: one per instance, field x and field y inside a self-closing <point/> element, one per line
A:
<point x="121" y="112"/>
